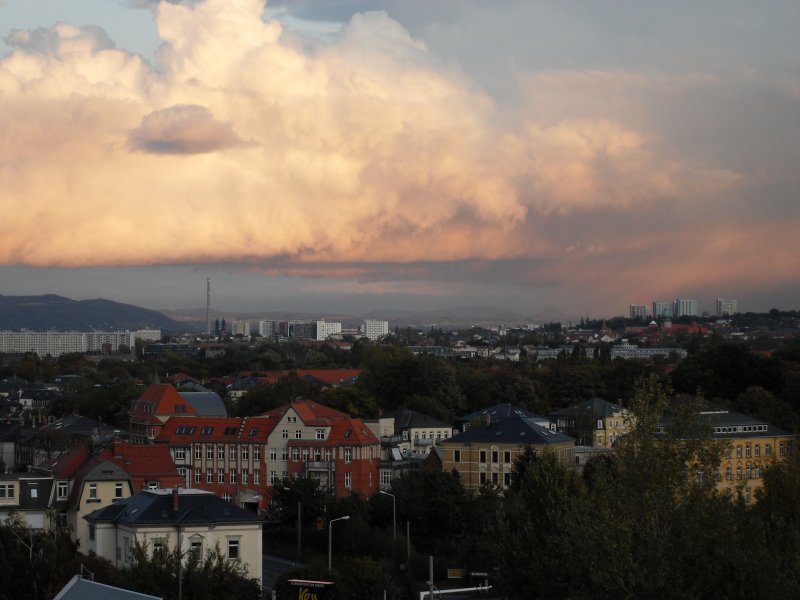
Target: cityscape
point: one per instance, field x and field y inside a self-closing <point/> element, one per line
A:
<point x="376" y="300"/>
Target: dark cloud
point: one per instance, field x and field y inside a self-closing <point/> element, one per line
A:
<point x="183" y="129"/>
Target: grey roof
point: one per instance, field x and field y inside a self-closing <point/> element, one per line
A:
<point x="731" y="422"/>
<point x="510" y="430"/>
<point x="155" y="508"/>
<point x="207" y="403"/>
<point x="405" y="418"/>
<point x="83" y="589"/>
<point x="597" y="407"/>
<point x="498" y="411"/>
<point x="27" y="499"/>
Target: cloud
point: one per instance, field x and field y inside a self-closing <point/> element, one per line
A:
<point x="364" y="157"/>
<point x="183" y="129"/>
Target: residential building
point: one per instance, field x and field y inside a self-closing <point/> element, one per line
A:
<point x="751" y="445"/>
<point x="633" y="352"/>
<point x="684" y="307"/>
<point x="51" y="440"/>
<point x="727" y="307"/>
<point x="662" y="309"/>
<point x="240" y="328"/>
<point x="485" y="453"/>
<point x="638" y="311"/>
<point x="502" y="411"/>
<point x="189" y="520"/>
<point x="373" y="329"/>
<point x="27" y="495"/>
<point x="240" y="459"/>
<point x="327" y="330"/>
<point x="56" y="343"/>
<point x="595" y="422"/>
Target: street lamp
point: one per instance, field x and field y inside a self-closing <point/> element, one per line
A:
<point x="394" y="515"/>
<point x="330" y="537"/>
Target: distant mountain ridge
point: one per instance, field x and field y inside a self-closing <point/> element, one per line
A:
<point x="52" y="312"/>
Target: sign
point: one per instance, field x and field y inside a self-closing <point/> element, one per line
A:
<point x="310" y="590"/>
<point x="456" y="573"/>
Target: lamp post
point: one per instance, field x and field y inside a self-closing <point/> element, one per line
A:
<point x="330" y="537"/>
<point x="394" y="515"/>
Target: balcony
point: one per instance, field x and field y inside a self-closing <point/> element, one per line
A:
<point x="319" y="465"/>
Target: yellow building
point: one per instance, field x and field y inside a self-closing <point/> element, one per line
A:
<point x="595" y="422"/>
<point x="752" y="445"/>
<point x="485" y="453"/>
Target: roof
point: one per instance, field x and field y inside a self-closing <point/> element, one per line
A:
<point x="497" y="411"/>
<point x="29" y="499"/>
<point x="598" y="408"/>
<point x="206" y="403"/>
<point x="405" y="418"/>
<point x="731" y="425"/>
<point x="83" y="589"/>
<point x="164" y="400"/>
<point x="330" y="377"/>
<point x="155" y="507"/>
<point x="510" y="430"/>
<point x="216" y="429"/>
<point x="143" y="461"/>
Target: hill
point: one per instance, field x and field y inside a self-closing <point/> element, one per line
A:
<point x="51" y="312"/>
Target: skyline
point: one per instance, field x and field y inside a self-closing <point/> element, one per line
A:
<point x="375" y="155"/>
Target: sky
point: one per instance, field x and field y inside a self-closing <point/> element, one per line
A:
<point x="354" y="155"/>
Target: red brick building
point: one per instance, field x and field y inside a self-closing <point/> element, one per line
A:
<point x="242" y="458"/>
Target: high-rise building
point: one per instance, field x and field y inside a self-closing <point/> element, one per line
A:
<point x="726" y="307"/>
<point x="638" y="311"/>
<point x="326" y="330"/>
<point x="241" y="328"/>
<point x="662" y="309"/>
<point x="685" y="307"/>
<point x="374" y="330"/>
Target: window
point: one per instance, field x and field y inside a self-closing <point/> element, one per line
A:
<point x="756" y="472"/>
<point x="386" y="479"/>
<point x="180" y="453"/>
<point x="245" y="452"/>
<point x="768" y="449"/>
<point x="298" y="434"/>
<point x="257" y="477"/>
<point x="456" y="455"/>
<point x="758" y="450"/>
<point x="482" y="457"/>
<point x="198" y="452"/>
<point x="728" y="453"/>
<point x="198" y="476"/>
<point x="285" y="434"/>
<point x="227" y="497"/>
<point x="117" y="490"/>
<point x="348" y="455"/>
<point x="257" y="453"/>
<point x="328" y="454"/>
<point x="738" y="452"/>
<point x="483" y="478"/>
<point x="495" y="478"/>
<point x="495" y="456"/>
<point x="291" y="419"/>
<point x="209" y="476"/>
<point x="747" y="450"/>
<point x="158" y="546"/>
<point x="233" y="476"/>
<point x="782" y="449"/>
<point x="244" y="477"/>
<point x="273" y="454"/>
<point x="284" y="454"/>
<point x="506" y="479"/>
<point x="748" y="471"/>
<point x="273" y="477"/>
<point x="348" y="480"/>
<point x="197" y="549"/>
<point x="305" y="454"/>
<point x="320" y="434"/>
<point x="209" y="452"/>
<point x="152" y="485"/>
<point x="233" y="549"/>
<point x="295" y="454"/>
<point x="221" y="452"/>
<point x="93" y="491"/>
<point x="738" y="472"/>
<point x="232" y="453"/>
<point x="221" y="476"/>
<point x="728" y="473"/>
<point x="506" y="456"/>
<point x="62" y="490"/>
<point x="599" y="423"/>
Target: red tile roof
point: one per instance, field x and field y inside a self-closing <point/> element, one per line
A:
<point x="216" y="429"/>
<point x="144" y="462"/>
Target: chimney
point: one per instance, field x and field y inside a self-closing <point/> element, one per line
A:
<point x="175" y="499"/>
<point x="117" y="447"/>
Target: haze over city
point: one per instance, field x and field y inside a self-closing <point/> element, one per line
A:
<point x="360" y="155"/>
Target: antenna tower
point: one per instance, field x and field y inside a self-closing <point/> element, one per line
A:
<point x="208" y="305"/>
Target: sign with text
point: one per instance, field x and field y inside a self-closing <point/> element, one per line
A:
<point x="310" y="590"/>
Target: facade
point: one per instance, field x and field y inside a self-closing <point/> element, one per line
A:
<point x="752" y="445"/>
<point x="374" y="330"/>
<point x="241" y="328"/>
<point x="150" y="411"/>
<point x="595" y="422"/>
<point x="240" y="459"/>
<point x="190" y="520"/>
<point x="684" y="307"/>
<point x="662" y="309"/>
<point x="27" y="495"/>
<point x="56" y="343"/>
<point x="485" y="453"/>
<point x="638" y="311"/>
<point x="326" y="330"/>
<point x="633" y="352"/>
<point x="727" y="307"/>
